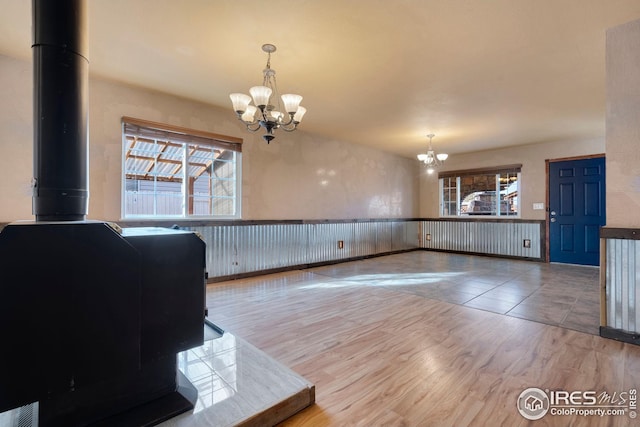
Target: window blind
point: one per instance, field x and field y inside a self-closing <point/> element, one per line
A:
<point x="148" y="129"/>
<point x="511" y="169"/>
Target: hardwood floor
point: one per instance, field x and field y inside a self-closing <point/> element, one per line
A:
<point x="384" y="347"/>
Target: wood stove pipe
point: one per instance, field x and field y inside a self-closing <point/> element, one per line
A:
<point x="60" y="110"/>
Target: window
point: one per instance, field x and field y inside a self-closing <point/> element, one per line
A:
<point x="176" y="172"/>
<point x="489" y="192"/>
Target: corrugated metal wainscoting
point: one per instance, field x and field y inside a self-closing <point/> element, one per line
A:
<point x="492" y="237"/>
<point x="240" y="249"/>
<point x="622" y="280"/>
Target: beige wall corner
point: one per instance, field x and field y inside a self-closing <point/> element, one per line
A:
<point x="623" y="125"/>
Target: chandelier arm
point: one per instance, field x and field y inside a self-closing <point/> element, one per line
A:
<point x="290" y="121"/>
<point x="290" y="129"/>
<point x="250" y="126"/>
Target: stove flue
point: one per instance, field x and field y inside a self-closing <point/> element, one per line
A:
<point x="60" y="118"/>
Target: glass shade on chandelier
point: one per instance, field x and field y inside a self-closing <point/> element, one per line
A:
<point x="270" y="110"/>
<point x="431" y="159"/>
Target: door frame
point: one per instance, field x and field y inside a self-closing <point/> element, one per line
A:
<point x="546" y="209"/>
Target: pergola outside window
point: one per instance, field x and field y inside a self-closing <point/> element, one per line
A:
<point x="178" y="174"/>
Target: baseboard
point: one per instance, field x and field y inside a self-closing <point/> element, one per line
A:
<point x="620" y="335"/>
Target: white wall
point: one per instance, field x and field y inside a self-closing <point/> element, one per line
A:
<point x="297" y="176"/>
<point x="533" y="176"/>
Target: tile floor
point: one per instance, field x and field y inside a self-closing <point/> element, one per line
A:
<point x="554" y="294"/>
<point x="238" y="385"/>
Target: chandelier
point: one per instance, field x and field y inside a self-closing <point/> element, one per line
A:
<point x="431" y="159"/>
<point x="264" y="114"/>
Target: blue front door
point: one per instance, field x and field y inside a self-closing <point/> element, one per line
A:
<point x="576" y="210"/>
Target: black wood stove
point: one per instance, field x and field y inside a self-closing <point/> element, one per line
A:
<point x="91" y="316"/>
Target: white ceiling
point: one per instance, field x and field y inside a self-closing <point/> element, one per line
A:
<point x="479" y="74"/>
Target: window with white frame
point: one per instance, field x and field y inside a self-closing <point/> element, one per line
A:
<point x="480" y="192"/>
<point x="173" y="172"/>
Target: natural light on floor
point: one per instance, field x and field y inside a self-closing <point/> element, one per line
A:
<point x="395" y="279"/>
